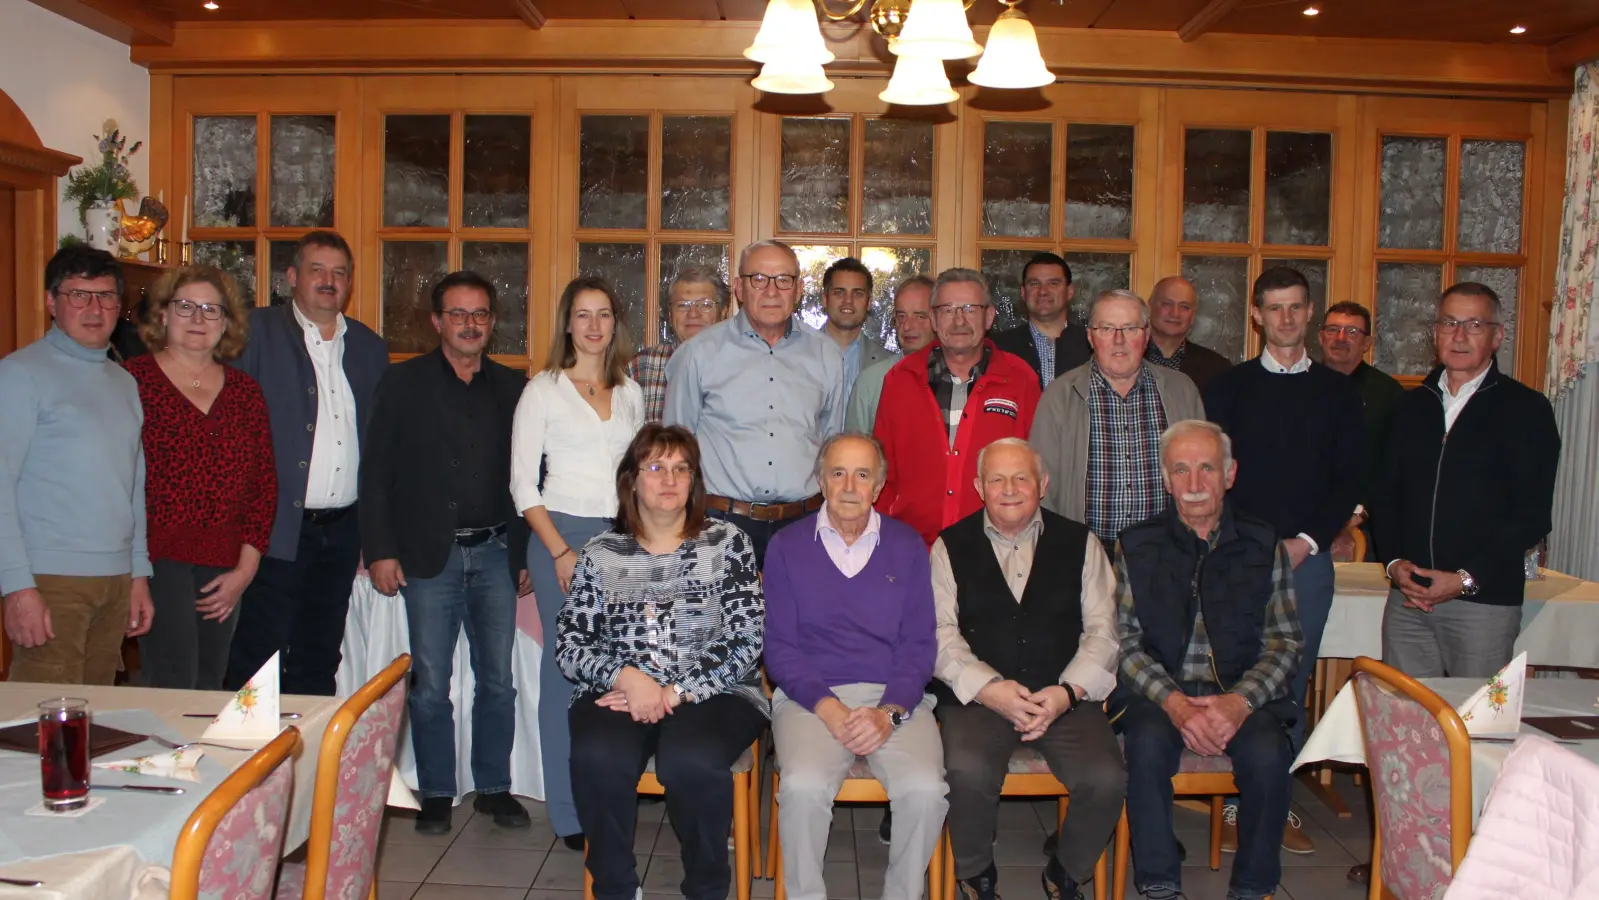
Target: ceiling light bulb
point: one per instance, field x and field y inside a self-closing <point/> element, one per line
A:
<point x="1519" y="29"/>
<point x="211" y="4"/>
<point x="790" y="32"/>
<point x="1312" y="11"/>
<point x="1012" y="59"/>
<point x="783" y="76"/>
<point x="937" y="29"/>
<point x="919" y="81"/>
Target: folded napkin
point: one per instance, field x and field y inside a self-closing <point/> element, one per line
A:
<point x="1495" y="709"/>
<point x="177" y="764"/>
<point x="252" y="714"/>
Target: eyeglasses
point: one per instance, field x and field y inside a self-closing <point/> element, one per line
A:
<point x="1109" y="332"/>
<point x="1348" y="331"/>
<point x="968" y="310"/>
<point x="210" y="312"/>
<point x="680" y="470"/>
<point x="80" y="299"/>
<point x="760" y="280"/>
<point x="703" y="305"/>
<point x="1472" y="326"/>
<point x="478" y="316"/>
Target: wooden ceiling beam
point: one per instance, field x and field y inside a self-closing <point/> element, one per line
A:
<point x="1202" y="21"/>
<point x="529" y="14"/>
<point x="126" y="21"/>
<point x="1575" y="50"/>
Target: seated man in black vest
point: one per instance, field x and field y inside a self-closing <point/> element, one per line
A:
<point x="1210" y="642"/>
<point x="1026" y="606"/>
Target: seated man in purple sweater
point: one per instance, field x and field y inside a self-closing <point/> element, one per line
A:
<point x="850" y="645"/>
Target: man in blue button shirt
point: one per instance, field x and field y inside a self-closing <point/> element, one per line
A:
<point x="761" y="392"/>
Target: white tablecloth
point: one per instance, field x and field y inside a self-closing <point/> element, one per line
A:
<point x="1337" y="736"/>
<point x="1558" y="619"/>
<point x="375" y="632"/>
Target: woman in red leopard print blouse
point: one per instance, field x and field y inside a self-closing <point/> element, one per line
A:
<point x="210" y="485"/>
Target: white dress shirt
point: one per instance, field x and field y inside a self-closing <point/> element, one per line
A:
<point x="331" y="481"/>
<point x="1276" y="368"/>
<point x="555" y="424"/>
<point x="1454" y="403"/>
<point x="850" y="558"/>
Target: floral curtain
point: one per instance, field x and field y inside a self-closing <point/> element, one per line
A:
<point x="1573" y="329"/>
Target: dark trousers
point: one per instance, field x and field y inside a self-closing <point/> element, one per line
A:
<point x="297" y="609"/>
<point x="1313" y="597"/>
<point x="1260" y="753"/>
<point x="694" y="749"/>
<point x="183" y="649"/>
<point x="1081" y="751"/>
<point x="760" y="532"/>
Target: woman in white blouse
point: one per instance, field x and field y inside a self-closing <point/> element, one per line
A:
<point x="576" y="418"/>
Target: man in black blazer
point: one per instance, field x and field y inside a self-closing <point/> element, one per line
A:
<point x="1050" y="342"/>
<point x="437" y="520"/>
<point x="318" y="371"/>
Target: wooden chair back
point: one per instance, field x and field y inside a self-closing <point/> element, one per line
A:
<point x="231" y="844"/>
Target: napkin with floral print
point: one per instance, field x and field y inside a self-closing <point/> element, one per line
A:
<point x="177" y="764"/>
<point x="1495" y="709"/>
<point x="252" y="714"/>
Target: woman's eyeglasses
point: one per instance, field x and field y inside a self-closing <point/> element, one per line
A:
<point x="210" y="312"/>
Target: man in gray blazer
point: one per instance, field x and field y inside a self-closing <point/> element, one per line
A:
<point x="318" y="371"/>
<point x="1098" y="426"/>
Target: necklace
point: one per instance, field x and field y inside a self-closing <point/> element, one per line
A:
<point x="589" y="385"/>
<point x="194" y="377"/>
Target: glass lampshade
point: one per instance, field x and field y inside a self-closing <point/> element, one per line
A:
<point x="919" y="81"/>
<point x="1012" y="59"/>
<point x="789" y="31"/>
<point x="788" y="77"/>
<point x="937" y="29"/>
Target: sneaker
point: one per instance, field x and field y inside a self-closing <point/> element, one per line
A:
<point x="1229" y="828"/>
<point x="885" y="829"/>
<point x="434" y="818"/>
<point x="503" y="807"/>
<point x="983" y="887"/>
<point x="1057" y="884"/>
<point x="1295" y="840"/>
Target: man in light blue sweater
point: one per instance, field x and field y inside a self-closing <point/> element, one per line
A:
<point x="73" y="566"/>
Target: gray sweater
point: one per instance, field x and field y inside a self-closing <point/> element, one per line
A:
<point x="71" y="465"/>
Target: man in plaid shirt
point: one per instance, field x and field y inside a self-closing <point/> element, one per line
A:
<point x="1210" y="642"/>
<point x="697" y="299"/>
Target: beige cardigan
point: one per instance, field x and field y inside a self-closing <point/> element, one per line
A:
<point x="1060" y="430"/>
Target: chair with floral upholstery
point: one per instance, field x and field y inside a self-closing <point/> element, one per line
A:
<point x="352" y="784"/>
<point x="1419" y="755"/>
<point x="1197" y="776"/>
<point x="230" y="846"/>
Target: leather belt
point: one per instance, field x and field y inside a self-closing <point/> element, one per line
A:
<point x="327" y="516"/>
<point x="765" y="512"/>
<point x="471" y="537"/>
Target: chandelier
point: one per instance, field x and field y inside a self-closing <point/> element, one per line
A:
<point x="922" y="35"/>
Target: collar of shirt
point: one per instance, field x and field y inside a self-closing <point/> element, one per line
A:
<point x="747" y="328"/>
<point x="307" y="324"/>
<point x="1028" y="534"/>
<point x="850" y="558"/>
<point x="1153" y="353"/>
<point x="1466" y="390"/>
<point x="451" y="377"/>
<point x="938" y="371"/>
<point x="1102" y="380"/>
<point x="1277" y="368"/>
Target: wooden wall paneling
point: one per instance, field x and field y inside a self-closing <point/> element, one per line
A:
<point x="544" y="256"/>
<point x="159" y="149"/>
<point x="1544" y="214"/>
<point x="12" y="293"/>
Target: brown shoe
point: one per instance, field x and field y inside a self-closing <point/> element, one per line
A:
<point x="1360" y="874"/>
<point x="1229" y="828"/>
<point x="1295" y="840"/>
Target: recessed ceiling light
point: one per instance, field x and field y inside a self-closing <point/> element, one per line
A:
<point x="1312" y="11"/>
<point x="211" y="4"/>
<point x="1519" y="29"/>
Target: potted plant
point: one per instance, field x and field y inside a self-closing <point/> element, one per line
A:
<point x="97" y="189"/>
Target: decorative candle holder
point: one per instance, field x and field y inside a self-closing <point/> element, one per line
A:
<point x="161" y="251"/>
<point x="185" y="253"/>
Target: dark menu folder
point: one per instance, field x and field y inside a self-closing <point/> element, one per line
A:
<point x="103" y="739"/>
<point x="1578" y="728"/>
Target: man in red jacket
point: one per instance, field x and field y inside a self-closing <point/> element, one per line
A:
<point x="944" y="403"/>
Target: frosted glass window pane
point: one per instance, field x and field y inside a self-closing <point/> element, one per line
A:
<point x="696" y="172"/>
<point x="410" y="269"/>
<point x="416" y="172"/>
<point x="237" y="258"/>
<point x="890" y="266"/>
<point x="1016" y="178"/>
<point x="813" y="261"/>
<point x="1222" y="321"/>
<point x="1216" y="185"/>
<point x="613" y="172"/>
<point x="1315" y="272"/>
<point x="897" y="185"/>
<point x="1412" y="214"/>
<point x="497" y="154"/>
<point x="1298" y="187"/>
<point x="282" y="257"/>
<point x="302" y="171"/>
<point x="1506" y="282"/>
<point x="623" y="266"/>
<point x="1003" y="270"/>
<point x="1094" y="273"/>
<point x="1099" y="181"/>
<point x="505" y="266"/>
<point x="1407" y="303"/>
<point x="224" y="171"/>
<point x="674" y="259"/>
<point x="815" y="180"/>
<point x="1491" y="179"/>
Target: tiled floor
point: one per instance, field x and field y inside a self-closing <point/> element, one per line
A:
<point x="477" y="861"/>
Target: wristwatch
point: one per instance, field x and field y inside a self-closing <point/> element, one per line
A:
<point x="896" y="714"/>
<point x="682" y="695"/>
<point x="1468" y="585"/>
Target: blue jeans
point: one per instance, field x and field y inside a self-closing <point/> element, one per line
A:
<point x="475" y="590"/>
<point x="1313" y="594"/>
<point x="1260" y="754"/>
<point x="555" y="692"/>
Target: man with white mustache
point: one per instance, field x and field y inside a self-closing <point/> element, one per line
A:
<point x="1210" y="641"/>
<point x="847" y="299"/>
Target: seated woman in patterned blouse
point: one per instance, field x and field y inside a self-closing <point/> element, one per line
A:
<point x="662" y="634"/>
